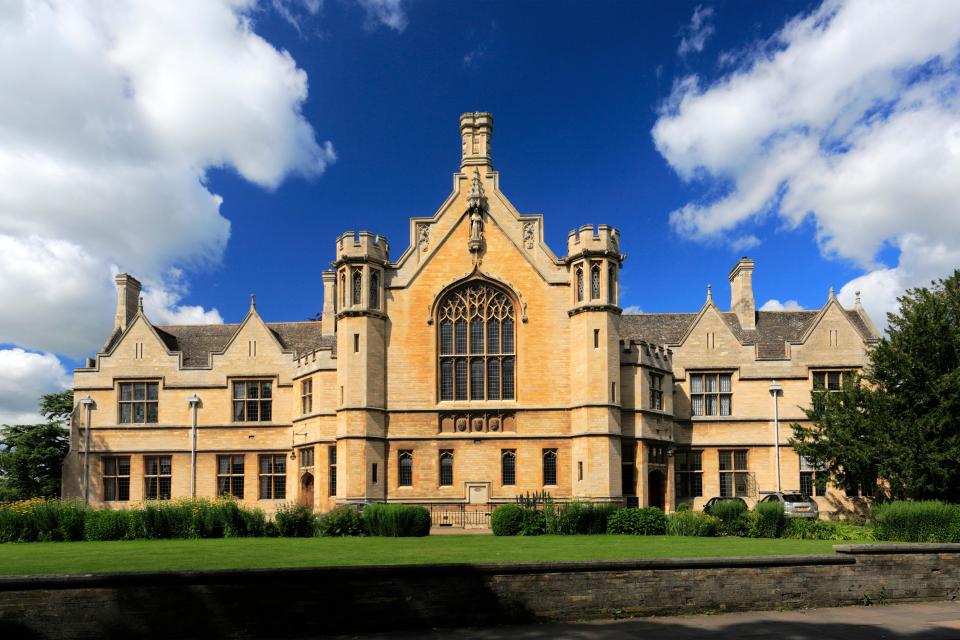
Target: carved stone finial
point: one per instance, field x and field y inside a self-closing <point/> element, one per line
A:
<point x="253" y="302"/>
<point x="831" y="295"/>
<point x="477" y="198"/>
<point x="709" y="293"/>
<point x="477" y="202"/>
<point x="140" y="304"/>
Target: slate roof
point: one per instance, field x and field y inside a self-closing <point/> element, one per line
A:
<point x="198" y="341"/>
<point x="774" y="328"/>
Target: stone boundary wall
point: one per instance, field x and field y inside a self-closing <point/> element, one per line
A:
<point x="301" y="603"/>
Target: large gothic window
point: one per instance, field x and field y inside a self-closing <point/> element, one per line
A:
<point x="476" y="335"/>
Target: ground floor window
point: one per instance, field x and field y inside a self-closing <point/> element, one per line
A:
<point x="549" y="466"/>
<point x="273" y="477"/>
<point x="813" y="481"/>
<point x="629" y="467"/>
<point x="230" y="476"/>
<point x="116" y="478"/>
<point x="734" y="477"/>
<point x="508" y="467"/>
<point x="332" y="464"/>
<point x="405" y="468"/>
<point x="446" y="468"/>
<point x="689" y="473"/>
<point x="157" y="477"/>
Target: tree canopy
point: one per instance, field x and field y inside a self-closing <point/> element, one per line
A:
<point x="31" y="455"/>
<point x="900" y="420"/>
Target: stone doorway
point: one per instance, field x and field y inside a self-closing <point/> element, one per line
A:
<point x="306" y="489"/>
<point x="656" y="489"/>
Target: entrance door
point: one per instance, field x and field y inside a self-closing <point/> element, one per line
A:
<point x="306" y="489"/>
<point x="656" y="489"/>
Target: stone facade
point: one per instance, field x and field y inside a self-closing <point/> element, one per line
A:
<point x="430" y="375"/>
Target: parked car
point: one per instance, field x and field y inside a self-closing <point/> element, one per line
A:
<point x="715" y="500"/>
<point x="795" y="504"/>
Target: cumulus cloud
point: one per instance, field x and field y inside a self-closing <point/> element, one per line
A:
<point x="632" y="309"/>
<point x="694" y="36"/>
<point x="389" y="13"/>
<point x="775" y="305"/>
<point x="850" y="116"/>
<point x="112" y="113"/>
<point x="27" y="376"/>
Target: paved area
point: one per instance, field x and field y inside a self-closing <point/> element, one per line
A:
<point x="933" y="620"/>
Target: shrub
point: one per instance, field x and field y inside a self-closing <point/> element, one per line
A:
<point x="294" y="520"/>
<point x="507" y="520"/>
<point x="645" y="521"/>
<point x="533" y="522"/>
<point x="728" y="511"/>
<point x="40" y="519"/>
<point x="683" y="506"/>
<point x="691" y="523"/>
<point x="396" y="520"/>
<point x="927" y="521"/>
<point x="342" y="521"/>
<point x="810" y="529"/>
<point x="768" y="520"/>
<point x="581" y="518"/>
<point x="109" y="525"/>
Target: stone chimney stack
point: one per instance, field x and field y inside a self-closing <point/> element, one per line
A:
<point x="328" y="317"/>
<point x="741" y="293"/>
<point x="476" y="129"/>
<point x="128" y="300"/>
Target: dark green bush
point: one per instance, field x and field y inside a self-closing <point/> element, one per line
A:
<point x="396" y="520"/>
<point x="43" y="520"/>
<point x="768" y="520"/>
<point x="294" y="521"/>
<point x="342" y="521"/>
<point x="727" y="510"/>
<point x="109" y="525"/>
<point x="507" y="520"/>
<point x="533" y="523"/>
<point x="926" y="521"/>
<point x="811" y="529"/>
<point x="692" y="523"/>
<point x="581" y="518"/>
<point x="645" y="521"/>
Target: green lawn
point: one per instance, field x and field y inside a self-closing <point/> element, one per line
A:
<point x="238" y="553"/>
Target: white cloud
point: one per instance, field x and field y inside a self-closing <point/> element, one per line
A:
<point x="389" y="13"/>
<point x="775" y="305"/>
<point x="632" y="309"/>
<point x="850" y="116"/>
<point x="695" y="35"/>
<point x="27" y="376"/>
<point x="112" y="114"/>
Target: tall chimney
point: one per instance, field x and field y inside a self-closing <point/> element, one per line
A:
<point x="329" y="302"/>
<point x="741" y="293"/>
<point x="476" y="129"/>
<point x="128" y="300"/>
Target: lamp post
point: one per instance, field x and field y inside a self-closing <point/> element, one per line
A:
<point x="775" y="390"/>
<point x="87" y="407"/>
<point x="194" y="401"/>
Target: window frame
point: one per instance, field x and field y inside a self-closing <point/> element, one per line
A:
<point x="656" y="391"/>
<point x="549" y="466"/>
<point x="405" y="468"/>
<point x="508" y="454"/>
<point x="332" y="470"/>
<point x="717" y="395"/>
<point x="306" y="396"/>
<point x="231" y="474"/>
<point x="446" y="463"/>
<point x="356" y="287"/>
<point x="277" y="479"/>
<point x="145" y="403"/>
<point x="734" y="473"/>
<point x="688" y="472"/>
<point x="115" y="479"/>
<point x="374" y="293"/>
<point x="153" y="482"/>
<point x="245" y="399"/>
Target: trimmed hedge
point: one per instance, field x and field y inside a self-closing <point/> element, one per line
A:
<point x="645" y="521"/>
<point x="396" y="520"/>
<point x="342" y="521"/>
<point x="925" y="521"/>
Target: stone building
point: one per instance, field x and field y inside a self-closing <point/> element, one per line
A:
<point x="475" y="366"/>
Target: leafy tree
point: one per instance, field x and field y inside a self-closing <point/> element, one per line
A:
<point x="31" y="455"/>
<point x="901" y="421"/>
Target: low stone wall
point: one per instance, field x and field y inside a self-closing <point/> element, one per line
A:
<point x="295" y="603"/>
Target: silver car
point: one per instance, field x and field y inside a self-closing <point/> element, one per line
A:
<point x="795" y="504"/>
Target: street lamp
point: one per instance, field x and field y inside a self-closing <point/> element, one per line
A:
<point x="194" y="402"/>
<point x="775" y="390"/>
<point x="87" y="407"/>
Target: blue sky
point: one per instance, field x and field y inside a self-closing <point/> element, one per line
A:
<point x="220" y="149"/>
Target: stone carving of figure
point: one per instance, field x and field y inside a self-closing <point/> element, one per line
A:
<point x="476" y="226"/>
<point x="424" y="237"/>
<point x="528" y="235"/>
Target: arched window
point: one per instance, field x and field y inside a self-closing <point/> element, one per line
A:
<point x="508" y="468"/>
<point x="476" y="336"/>
<point x="549" y="466"/>
<point x="343" y="290"/>
<point x="595" y="282"/>
<point x="405" y="469"/>
<point x="357" y="287"/>
<point x="374" y="289"/>
<point x="579" y="284"/>
<point x="446" y="468"/>
<point x="611" y="286"/>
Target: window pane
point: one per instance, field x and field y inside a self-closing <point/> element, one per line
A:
<point x="280" y="464"/>
<point x="238" y="390"/>
<point x="710" y="382"/>
<point x="726" y="485"/>
<point x="265" y="487"/>
<point x="139" y="391"/>
<point x="725" y="405"/>
<point x="508" y="335"/>
<point x="123" y="466"/>
<point x="695" y="458"/>
<point x="696" y="484"/>
<point x="740" y="481"/>
<point x="237" y="464"/>
<point x="818" y="379"/>
<point x="109" y="466"/>
<point x="493" y="335"/>
<point x="579" y="285"/>
<point x="279" y="487"/>
<point x="238" y="411"/>
<point x="123" y="488"/>
<point x="508" y="472"/>
<point x="138" y="413"/>
<point x="696" y="405"/>
<point x="833" y="380"/>
<point x="253" y="411"/>
<point x="710" y="406"/>
<point x="725" y="382"/>
<point x="266" y="464"/>
<point x="223" y="464"/>
<point x="126" y="391"/>
<point x="446" y="380"/>
<point x="476" y="335"/>
<point x="508" y="378"/>
<point x="357" y="287"/>
<point x="461" y="378"/>
<point x="253" y="389"/>
<point x="374" y="289"/>
<point x="126" y="412"/>
<point x="476" y="379"/>
<point x="446" y="337"/>
<point x="166" y="465"/>
<point x="460" y="336"/>
<point x="152" y="390"/>
<point x="740" y="460"/>
<point x="696" y="384"/>
<point x="493" y="378"/>
<point x="726" y="460"/>
<point x="595" y="282"/>
<point x="266" y="410"/>
<point x="266" y="389"/>
<point x="446" y="469"/>
<point x="151" y="412"/>
<point x="550" y="467"/>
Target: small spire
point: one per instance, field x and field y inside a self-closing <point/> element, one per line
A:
<point x="710" y="293"/>
<point x="831" y="295"/>
<point x="140" y="304"/>
<point x="253" y="302"/>
<point x="477" y="198"/>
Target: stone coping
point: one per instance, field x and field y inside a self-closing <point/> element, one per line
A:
<point x="895" y="548"/>
<point x="158" y="578"/>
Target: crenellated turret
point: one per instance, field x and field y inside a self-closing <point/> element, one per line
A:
<point x="360" y="267"/>
<point x="593" y="254"/>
